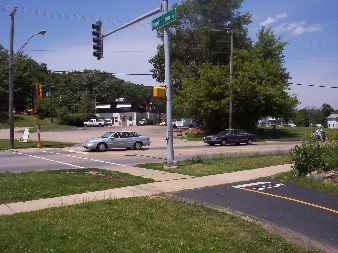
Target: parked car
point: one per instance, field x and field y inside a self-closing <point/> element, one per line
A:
<point x="108" y="122"/>
<point x="94" y="123"/>
<point x="184" y="123"/>
<point x="123" y="139"/>
<point x="145" y="121"/>
<point x="292" y="125"/>
<point x="230" y="136"/>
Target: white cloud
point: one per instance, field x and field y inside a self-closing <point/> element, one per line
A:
<point x="271" y="20"/>
<point x="281" y="15"/>
<point x="298" y="28"/>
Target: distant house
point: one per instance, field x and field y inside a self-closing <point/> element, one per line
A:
<point x="332" y="121"/>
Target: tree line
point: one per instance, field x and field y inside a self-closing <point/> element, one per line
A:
<point x="67" y="94"/>
<point x="201" y="48"/>
<point x="308" y="116"/>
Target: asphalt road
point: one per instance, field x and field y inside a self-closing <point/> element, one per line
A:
<point x="288" y="206"/>
<point x="75" y="157"/>
<point x="20" y="161"/>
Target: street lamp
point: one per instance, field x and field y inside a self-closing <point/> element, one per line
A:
<point x="11" y="74"/>
<point x="42" y="32"/>
<point x="229" y="30"/>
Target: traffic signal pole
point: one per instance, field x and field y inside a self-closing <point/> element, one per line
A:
<point x="166" y="42"/>
<point x="170" y="134"/>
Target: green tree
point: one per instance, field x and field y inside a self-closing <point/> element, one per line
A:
<point x="27" y="72"/>
<point x="199" y="37"/>
<point x="260" y="87"/>
<point x="326" y="110"/>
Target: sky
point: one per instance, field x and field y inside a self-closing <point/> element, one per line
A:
<point x="308" y="26"/>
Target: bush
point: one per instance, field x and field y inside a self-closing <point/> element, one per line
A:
<point x="314" y="156"/>
<point x="43" y="108"/>
<point x="74" y="119"/>
<point x="330" y="156"/>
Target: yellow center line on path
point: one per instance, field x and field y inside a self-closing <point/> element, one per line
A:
<point x="293" y="200"/>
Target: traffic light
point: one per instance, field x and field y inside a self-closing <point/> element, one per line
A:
<point x="159" y="91"/>
<point x="39" y="90"/>
<point x="97" y="40"/>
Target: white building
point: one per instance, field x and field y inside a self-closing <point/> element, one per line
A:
<point x="123" y="115"/>
<point x="332" y="121"/>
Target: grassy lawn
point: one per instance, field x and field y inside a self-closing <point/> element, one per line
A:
<point x="296" y="133"/>
<point x="136" y="225"/>
<point x="193" y="137"/>
<point x="319" y="185"/>
<point x="35" y="185"/>
<point x="222" y="164"/>
<point x="4" y="144"/>
<point x="32" y="122"/>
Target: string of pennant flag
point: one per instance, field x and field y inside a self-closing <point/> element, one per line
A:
<point x="61" y="15"/>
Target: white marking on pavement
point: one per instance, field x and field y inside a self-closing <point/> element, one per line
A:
<point x="85" y="158"/>
<point x="50" y="160"/>
<point x="78" y="152"/>
<point x="261" y="186"/>
<point x="251" y="184"/>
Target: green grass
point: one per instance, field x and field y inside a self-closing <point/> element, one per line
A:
<point x="296" y="133"/>
<point x="221" y="165"/>
<point x="136" y="225"/>
<point x="35" y="185"/>
<point x="193" y="137"/>
<point x="319" y="185"/>
<point x="4" y="144"/>
<point x="32" y="122"/>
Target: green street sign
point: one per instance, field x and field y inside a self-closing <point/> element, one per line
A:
<point x="164" y="20"/>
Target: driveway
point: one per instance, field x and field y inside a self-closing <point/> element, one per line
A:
<point x="304" y="211"/>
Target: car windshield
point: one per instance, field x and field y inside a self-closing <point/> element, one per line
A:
<point x="221" y="133"/>
<point x="224" y="133"/>
<point x="106" y="135"/>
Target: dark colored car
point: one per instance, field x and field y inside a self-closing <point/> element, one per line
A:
<point x="230" y="136"/>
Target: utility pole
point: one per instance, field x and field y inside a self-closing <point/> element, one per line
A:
<point x="170" y="134"/>
<point x="11" y="79"/>
<point x="231" y="76"/>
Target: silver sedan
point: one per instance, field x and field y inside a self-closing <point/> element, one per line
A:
<point x="110" y="140"/>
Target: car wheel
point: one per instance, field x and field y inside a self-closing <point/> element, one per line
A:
<point x="101" y="147"/>
<point x="138" y="145"/>
<point x="249" y="142"/>
<point x="224" y="143"/>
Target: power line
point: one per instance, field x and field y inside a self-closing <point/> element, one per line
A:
<point x="314" y="85"/>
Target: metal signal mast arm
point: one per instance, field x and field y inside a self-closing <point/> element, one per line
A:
<point x="136" y="20"/>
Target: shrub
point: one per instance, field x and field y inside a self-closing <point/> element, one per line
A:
<point x="330" y="157"/>
<point x="74" y="119"/>
<point x="43" y="108"/>
<point x="314" y="156"/>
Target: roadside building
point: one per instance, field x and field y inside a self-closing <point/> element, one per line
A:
<point x="332" y="121"/>
<point x="124" y="114"/>
<point x="267" y="122"/>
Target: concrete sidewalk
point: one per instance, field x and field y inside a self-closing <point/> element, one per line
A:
<point x="143" y="190"/>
